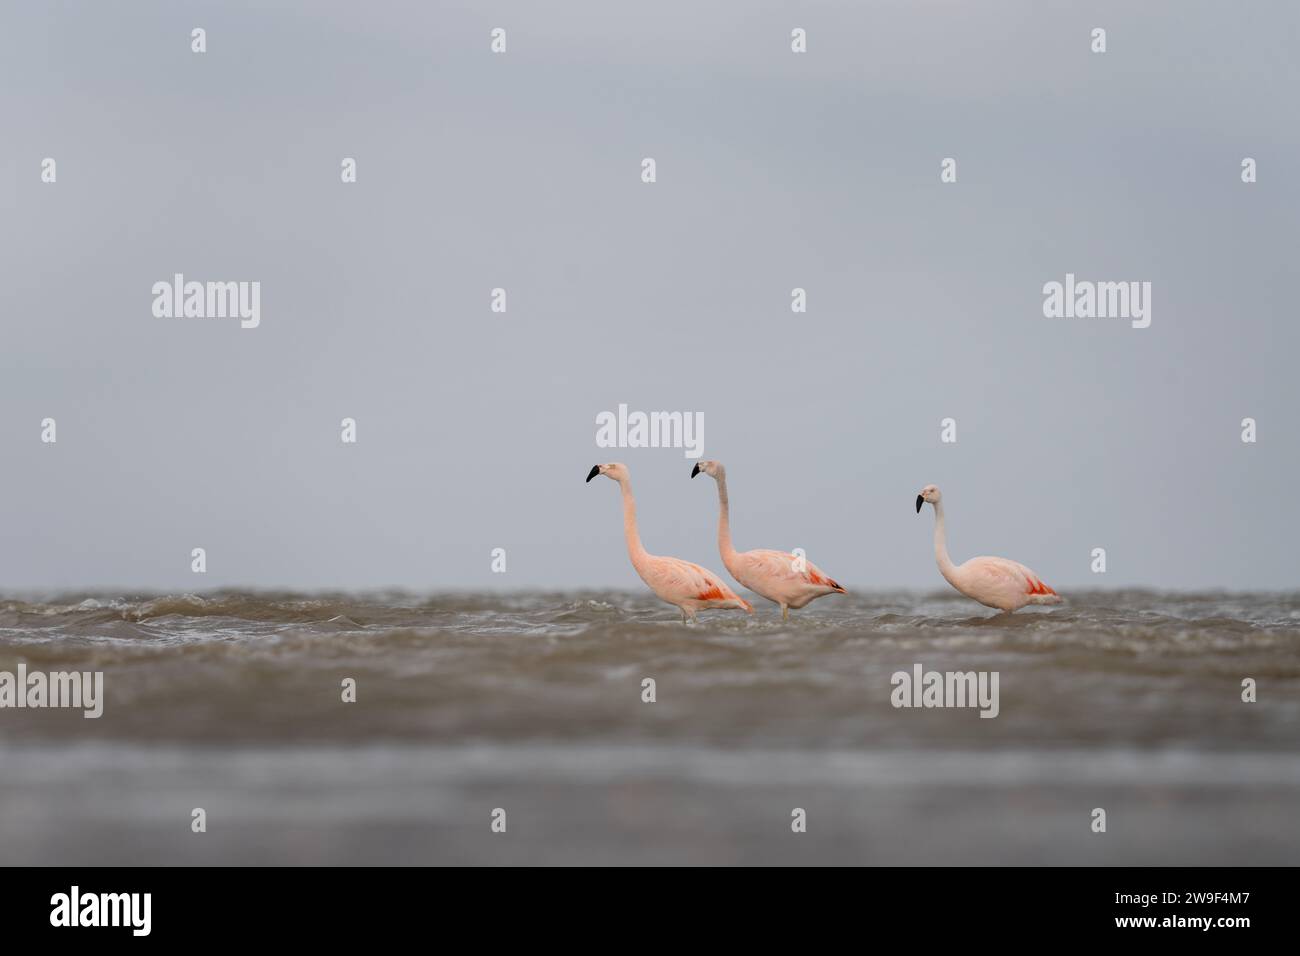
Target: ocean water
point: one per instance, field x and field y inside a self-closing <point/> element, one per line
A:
<point x="532" y="703"/>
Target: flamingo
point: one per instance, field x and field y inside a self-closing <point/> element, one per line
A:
<point x="994" y="582"/>
<point x="780" y="577"/>
<point x="688" y="586"/>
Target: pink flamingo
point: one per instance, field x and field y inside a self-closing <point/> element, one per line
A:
<point x="782" y="578"/>
<point x="688" y="586"/>
<point x="994" y="582"/>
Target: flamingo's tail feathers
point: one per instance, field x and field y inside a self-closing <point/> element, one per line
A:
<point x="721" y="597"/>
<point x="1040" y="593"/>
<point x="823" y="581"/>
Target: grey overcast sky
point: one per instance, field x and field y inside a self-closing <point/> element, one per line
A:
<point x="522" y="171"/>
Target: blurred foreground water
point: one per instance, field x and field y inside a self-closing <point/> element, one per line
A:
<point x="1130" y="701"/>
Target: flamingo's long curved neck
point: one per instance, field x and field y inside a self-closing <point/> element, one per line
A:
<point x="946" y="567"/>
<point x="635" y="550"/>
<point x="724" y="520"/>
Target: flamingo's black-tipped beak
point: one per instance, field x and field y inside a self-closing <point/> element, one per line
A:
<point x="695" y="471"/>
<point x="920" y="500"/>
<point x="595" y="470"/>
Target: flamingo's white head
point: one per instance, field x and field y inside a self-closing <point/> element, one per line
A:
<point x="929" y="493"/>
<point x="711" y="468"/>
<point x="615" y="470"/>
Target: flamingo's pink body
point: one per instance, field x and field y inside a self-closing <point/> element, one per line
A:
<point x="782" y="578"/>
<point x="688" y="586"/>
<point x="995" y="582"/>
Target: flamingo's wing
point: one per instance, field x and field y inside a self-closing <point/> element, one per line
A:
<point x="769" y="565"/>
<point x="780" y="566"/>
<point x="1003" y="573"/>
<point x="821" y="579"/>
<point x="685" y="580"/>
<point x="715" y="589"/>
<point x="1033" y="583"/>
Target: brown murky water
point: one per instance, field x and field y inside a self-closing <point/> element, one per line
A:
<point x="532" y="703"/>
